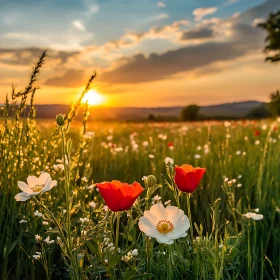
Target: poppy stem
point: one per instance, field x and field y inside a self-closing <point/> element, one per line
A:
<point x="117" y="231"/>
<point x="189" y="214"/>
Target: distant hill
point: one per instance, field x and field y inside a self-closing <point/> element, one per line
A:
<point x="226" y="110"/>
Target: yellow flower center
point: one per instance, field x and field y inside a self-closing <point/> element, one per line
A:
<point x="164" y="226"/>
<point x="37" y="188"/>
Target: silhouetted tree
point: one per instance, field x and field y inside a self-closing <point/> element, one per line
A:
<point x="151" y="118"/>
<point x="274" y="104"/>
<point x="272" y="27"/>
<point x="190" y="113"/>
<point x="260" y="112"/>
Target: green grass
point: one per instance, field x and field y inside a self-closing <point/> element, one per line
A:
<point x="226" y="244"/>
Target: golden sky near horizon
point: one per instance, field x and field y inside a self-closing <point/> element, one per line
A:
<point x="159" y="53"/>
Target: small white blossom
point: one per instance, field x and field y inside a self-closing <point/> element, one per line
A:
<point x="35" y="186"/>
<point x="84" y="220"/>
<point x="92" y="204"/>
<point x="38" y="214"/>
<point x="134" y="252"/>
<point x="38" y="238"/>
<point x="254" y="216"/>
<point x="48" y="241"/>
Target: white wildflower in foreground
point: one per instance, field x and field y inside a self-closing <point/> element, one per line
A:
<point x="35" y="186"/>
<point x="164" y="224"/>
<point x="254" y="216"/>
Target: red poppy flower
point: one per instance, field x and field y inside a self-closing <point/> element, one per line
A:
<point x="187" y="177"/>
<point x="119" y="196"/>
<point x="170" y="144"/>
<point x="257" y="133"/>
<point x="274" y="128"/>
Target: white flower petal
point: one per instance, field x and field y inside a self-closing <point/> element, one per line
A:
<point x="152" y="218"/>
<point x="24" y="187"/>
<point x="53" y="183"/>
<point x="166" y="240"/>
<point x="158" y="210"/>
<point x="32" y="181"/>
<point x="44" y="178"/>
<point x="257" y="217"/>
<point x="22" y="196"/>
<point x="147" y="227"/>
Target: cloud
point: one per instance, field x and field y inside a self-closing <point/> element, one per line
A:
<point x="78" y="24"/>
<point x="71" y="78"/>
<point x="161" y="16"/>
<point x="200" y="13"/>
<point x="229" y="2"/>
<point x="256" y="21"/>
<point x="235" y="15"/>
<point x="244" y="39"/>
<point x="170" y="32"/>
<point x="26" y="56"/>
<point x="161" y="4"/>
<point x="200" y="33"/>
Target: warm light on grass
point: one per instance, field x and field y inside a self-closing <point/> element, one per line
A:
<point x="93" y="98"/>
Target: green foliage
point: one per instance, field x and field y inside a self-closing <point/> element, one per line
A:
<point x="190" y="113"/>
<point x="272" y="28"/>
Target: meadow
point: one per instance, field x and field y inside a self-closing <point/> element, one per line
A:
<point x="232" y="228"/>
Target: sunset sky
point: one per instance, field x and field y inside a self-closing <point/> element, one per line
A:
<point x="146" y="52"/>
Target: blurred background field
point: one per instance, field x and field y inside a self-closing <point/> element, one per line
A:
<point x="242" y="162"/>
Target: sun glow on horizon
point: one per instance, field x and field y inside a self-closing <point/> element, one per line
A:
<point x="93" y="98"/>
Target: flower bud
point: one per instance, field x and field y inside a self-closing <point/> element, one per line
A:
<point x="151" y="181"/>
<point x="170" y="170"/>
<point x="60" y="120"/>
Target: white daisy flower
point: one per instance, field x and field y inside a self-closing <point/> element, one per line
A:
<point x="35" y="186"/>
<point x="164" y="224"/>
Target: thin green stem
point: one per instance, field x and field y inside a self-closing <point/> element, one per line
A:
<point x="117" y="232"/>
<point x="67" y="191"/>
<point x="74" y="264"/>
<point x="148" y="254"/>
<point x="190" y="215"/>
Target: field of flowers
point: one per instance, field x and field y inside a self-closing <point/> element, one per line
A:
<point x="122" y="200"/>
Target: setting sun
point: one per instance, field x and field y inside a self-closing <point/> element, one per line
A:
<point x="93" y="98"/>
